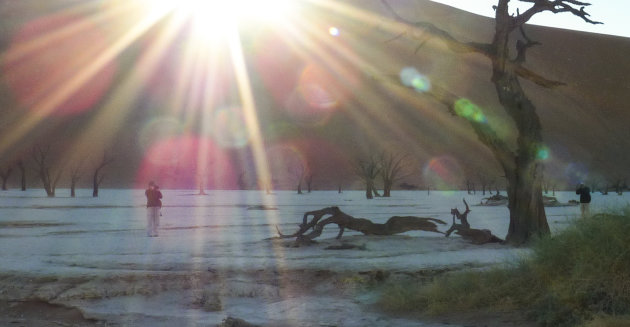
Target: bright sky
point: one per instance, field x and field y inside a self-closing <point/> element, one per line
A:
<point x="613" y="13"/>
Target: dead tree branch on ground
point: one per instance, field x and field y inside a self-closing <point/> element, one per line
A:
<point x="334" y="215"/>
<point x="476" y="236"/>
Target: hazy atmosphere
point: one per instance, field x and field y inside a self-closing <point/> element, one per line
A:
<point x="161" y="96"/>
<point x="313" y="163"/>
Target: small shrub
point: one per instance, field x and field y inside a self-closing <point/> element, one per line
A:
<point x="608" y="321"/>
<point x="570" y="278"/>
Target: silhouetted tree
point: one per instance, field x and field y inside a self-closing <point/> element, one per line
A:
<point x="309" y="182"/>
<point x="470" y="186"/>
<point x="368" y="170"/>
<point x="392" y="167"/>
<point x="4" y="174"/>
<point x="520" y="161"/>
<point x="485" y="183"/>
<point x="242" y="184"/>
<point x="201" y="182"/>
<point x="297" y="172"/>
<point x="98" y="176"/>
<point x="75" y="175"/>
<point x="47" y="174"/>
<point x="22" y="168"/>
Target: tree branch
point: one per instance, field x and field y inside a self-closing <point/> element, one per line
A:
<point x="556" y="6"/>
<point x="432" y="30"/>
<point x="484" y="48"/>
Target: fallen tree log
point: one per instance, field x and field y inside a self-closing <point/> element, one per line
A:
<point x="475" y="236"/>
<point x="334" y="215"/>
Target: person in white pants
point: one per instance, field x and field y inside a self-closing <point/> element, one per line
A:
<point x="154" y="204"/>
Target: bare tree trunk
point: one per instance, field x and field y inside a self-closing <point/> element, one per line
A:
<point x="368" y="189"/>
<point x="96" y="181"/>
<point x="97" y="177"/>
<point x="387" y="190"/>
<point x="391" y="168"/>
<point x="375" y="191"/>
<point x="75" y="175"/>
<point x="20" y="165"/>
<point x="49" y="178"/>
<point x="524" y="171"/>
<point x="527" y="213"/>
<point x="201" y="184"/>
<point x="4" y="174"/>
<point x="242" y="184"/>
<point x="368" y="170"/>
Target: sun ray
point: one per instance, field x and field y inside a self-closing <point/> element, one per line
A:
<point x="105" y="125"/>
<point x="250" y="113"/>
<point x="43" y="108"/>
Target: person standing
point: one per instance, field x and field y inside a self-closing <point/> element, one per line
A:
<point x="585" y="199"/>
<point x="154" y="203"/>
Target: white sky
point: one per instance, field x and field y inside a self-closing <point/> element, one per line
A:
<point x="613" y="13"/>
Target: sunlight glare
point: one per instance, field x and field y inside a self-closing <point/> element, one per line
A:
<point x="220" y="12"/>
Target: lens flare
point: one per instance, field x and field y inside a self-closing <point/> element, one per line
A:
<point x="229" y="129"/>
<point x="289" y="164"/>
<point x="334" y="31"/>
<point x="412" y="78"/>
<point x="315" y="97"/>
<point x="50" y="65"/>
<point x="543" y="152"/>
<point x="468" y="110"/>
<point x="181" y="161"/>
<point x="158" y="129"/>
<point x="315" y="87"/>
<point x="444" y="173"/>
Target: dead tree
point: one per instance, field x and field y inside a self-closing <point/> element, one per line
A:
<point x="506" y="53"/>
<point x="309" y="182"/>
<point x="22" y="168"/>
<point x="368" y="170"/>
<point x="619" y="186"/>
<point x="242" y="184"/>
<point x="75" y="176"/>
<point x="47" y="174"/>
<point x="98" y="176"/>
<point x="4" y="174"/>
<point x="333" y="215"/>
<point x="476" y="236"/>
<point x="298" y="171"/>
<point x="201" y="182"/>
<point x="485" y="183"/>
<point x="470" y="187"/>
<point x="391" y="168"/>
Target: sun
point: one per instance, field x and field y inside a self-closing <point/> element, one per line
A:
<point x="222" y="12"/>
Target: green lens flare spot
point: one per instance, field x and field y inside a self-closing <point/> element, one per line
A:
<point x="543" y="153"/>
<point x="466" y="109"/>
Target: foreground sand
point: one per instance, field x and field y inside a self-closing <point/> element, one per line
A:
<point x="42" y="314"/>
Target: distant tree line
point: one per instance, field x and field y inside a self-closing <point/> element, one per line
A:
<point x="49" y="170"/>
